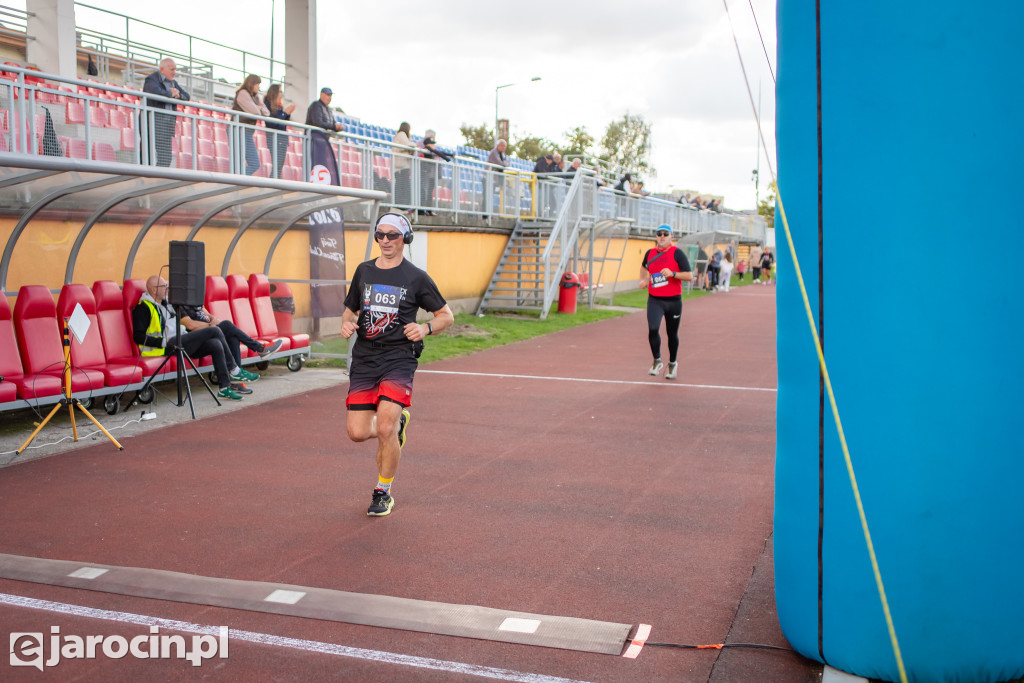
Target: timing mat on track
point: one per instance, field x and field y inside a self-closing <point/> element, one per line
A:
<point x="467" y="621"/>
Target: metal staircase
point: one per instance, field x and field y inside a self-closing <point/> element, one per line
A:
<point x="537" y="253"/>
<point x="518" y="281"/>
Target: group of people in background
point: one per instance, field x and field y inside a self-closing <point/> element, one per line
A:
<point x="699" y="203"/>
<point x="406" y="151"/>
<point x="247" y="100"/>
<point x="714" y="272"/>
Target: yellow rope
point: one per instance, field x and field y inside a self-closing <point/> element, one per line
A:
<point x="842" y="442"/>
<point x="824" y="373"/>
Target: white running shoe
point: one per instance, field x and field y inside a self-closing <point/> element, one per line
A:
<point x="656" y="367"/>
<point x="672" y="368"/>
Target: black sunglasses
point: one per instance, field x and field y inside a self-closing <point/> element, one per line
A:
<point x="662" y="233"/>
<point x="390" y="236"/>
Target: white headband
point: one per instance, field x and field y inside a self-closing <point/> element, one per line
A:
<point x="395" y="221"/>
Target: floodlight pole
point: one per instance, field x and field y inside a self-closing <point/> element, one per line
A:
<point x="507" y="85"/>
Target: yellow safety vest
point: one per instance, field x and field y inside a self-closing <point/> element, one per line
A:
<point x="155" y="328"/>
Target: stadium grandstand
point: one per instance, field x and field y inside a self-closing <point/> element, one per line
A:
<point x="89" y="204"/>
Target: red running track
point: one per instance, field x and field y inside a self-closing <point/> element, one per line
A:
<point x="551" y="476"/>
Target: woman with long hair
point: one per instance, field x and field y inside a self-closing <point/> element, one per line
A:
<point x="274" y="101"/>
<point x="247" y="99"/>
<point x="403" y="165"/>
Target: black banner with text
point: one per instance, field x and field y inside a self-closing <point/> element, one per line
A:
<point x="326" y="236"/>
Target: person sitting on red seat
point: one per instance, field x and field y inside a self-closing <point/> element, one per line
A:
<point x="155" y="330"/>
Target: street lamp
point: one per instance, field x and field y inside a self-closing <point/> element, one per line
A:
<point x="507" y="85"/>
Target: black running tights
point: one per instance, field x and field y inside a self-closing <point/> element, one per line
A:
<point x="671" y="309"/>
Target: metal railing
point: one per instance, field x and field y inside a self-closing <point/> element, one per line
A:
<point x="45" y="114"/>
<point x="578" y="206"/>
<point x="199" y="70"/>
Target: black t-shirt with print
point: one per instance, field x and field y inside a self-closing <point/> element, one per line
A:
<point x="387" y="299"/>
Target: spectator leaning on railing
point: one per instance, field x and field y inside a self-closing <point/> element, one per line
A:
<point x="248" y="99"/>
<point x="274" y="99"/>
<point x="319" y="114"/>
<point x="162" y="83"/>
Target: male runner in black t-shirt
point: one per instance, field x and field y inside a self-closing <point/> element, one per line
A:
<point x="381" y="305"/>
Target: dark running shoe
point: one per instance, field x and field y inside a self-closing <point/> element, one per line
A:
<point x="402" y="424"/>
<point x="241" y="388"/>
<point x="270" y="348"/>
<point x="381" y="505"/>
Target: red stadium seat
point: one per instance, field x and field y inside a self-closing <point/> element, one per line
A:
<point x="15" y="383"/>
<point x="219" y="304"/>
<point x="128" y="139"/>
<point x="241" y="309"/>
<point x="103" y="151"/>
<point x="217" y="298"/>
<point x="98" y="116"/>
<point x="89" y="355"/>
<point x="263" y="312"/>
<point x="74" y="111"/>
<point x="40" y="339"/>
<point x="77" y="149"/>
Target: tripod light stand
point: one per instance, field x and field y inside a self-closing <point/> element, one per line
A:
<point x="68" y="400"/>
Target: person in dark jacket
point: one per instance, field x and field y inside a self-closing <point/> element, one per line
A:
<point x="163" y="83"/>
<point x="319" y="114"/>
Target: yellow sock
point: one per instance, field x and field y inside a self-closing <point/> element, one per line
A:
<point x="384" y="484"/>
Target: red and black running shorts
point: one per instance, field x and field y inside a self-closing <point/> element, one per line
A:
<point x="380" y="373"/>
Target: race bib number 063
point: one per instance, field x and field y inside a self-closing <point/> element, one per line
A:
<point x="384" y="299"/>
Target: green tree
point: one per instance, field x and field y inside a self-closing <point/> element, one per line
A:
<point x="530" y="147"/>
<point x="481" y="137"/>
<point x="578" y="142"/>
<point x="627" y="142"/>
<point x="766" y="207"/>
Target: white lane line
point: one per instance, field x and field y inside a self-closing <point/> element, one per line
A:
<point x="282" y="641"/>
<point x="663" y="383"/>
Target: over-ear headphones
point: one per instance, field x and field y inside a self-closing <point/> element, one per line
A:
<point x="399" y="221"/>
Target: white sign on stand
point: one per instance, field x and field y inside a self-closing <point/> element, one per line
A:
<point x="79" y="323"/>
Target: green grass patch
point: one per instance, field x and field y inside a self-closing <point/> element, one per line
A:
<point x="497" y="328"/>
<point x="470" y="333"/>
<point x="638" y="298"/>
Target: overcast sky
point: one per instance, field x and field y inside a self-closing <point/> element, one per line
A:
<point x="436" y="65"/>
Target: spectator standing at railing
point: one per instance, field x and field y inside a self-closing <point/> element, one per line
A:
<point x="497" y="155"/>
<point x="319" y="113"/>
<point x="249" y="100"/>
<point x="625" y="184"/>
<point x="274" y="99"/>
<point x="545" y="164"/>
<point x="428" y="178"/>
<point x="403" y="165"/>
<point x="163" y="83"/>
<point x="498" y="158"/>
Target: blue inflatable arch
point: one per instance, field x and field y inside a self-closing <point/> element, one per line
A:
<point x="901" y="152"/>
